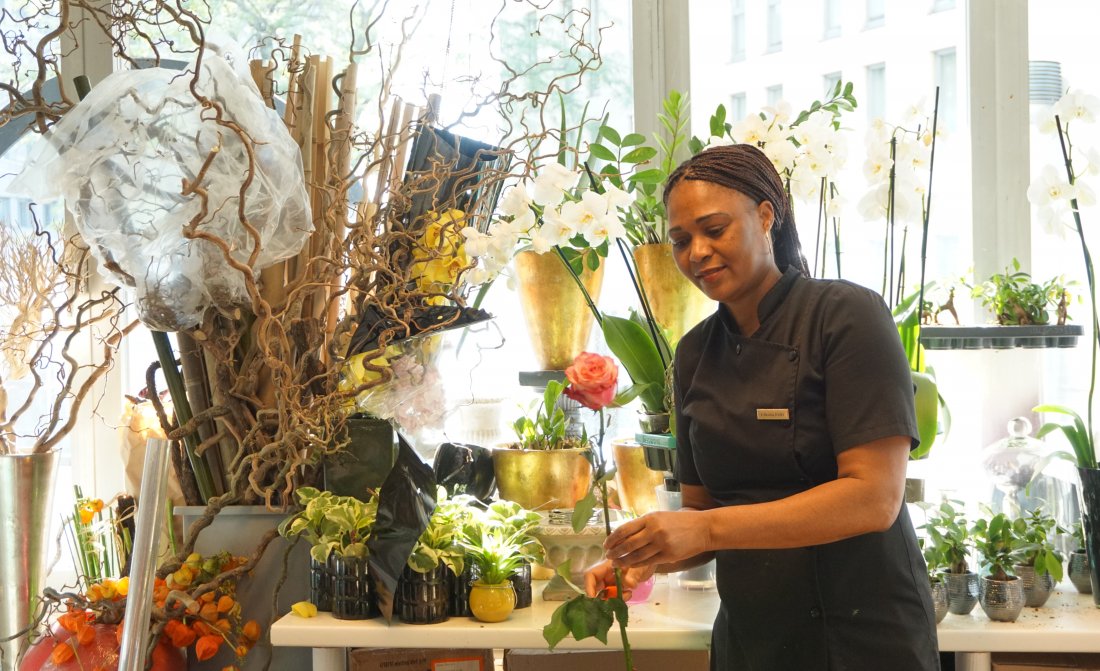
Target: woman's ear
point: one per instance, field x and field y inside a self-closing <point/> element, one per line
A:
<point x="766" y="213"/>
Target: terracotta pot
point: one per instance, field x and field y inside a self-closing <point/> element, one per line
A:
<point x="557" y="316"/>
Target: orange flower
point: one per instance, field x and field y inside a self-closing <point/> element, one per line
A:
<point x="73" y="620"/>
<point x="225" y="604"/>
<point x="592" y="380"/>
<point x="85" y="635"/>
<point x="208" y="612"/>
<point x="223" y="625"/>
<point x="201" y="628"/>
<point x="241" y="650"/>
<point x="207" y="646"/>
<point x="251" y="631"/>
<point x="62" y="652"/>
<point x="179" y="633"/>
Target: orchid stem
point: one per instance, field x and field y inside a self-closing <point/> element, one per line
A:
<point x="580" y="285"/>
<point x="927" y="214"/>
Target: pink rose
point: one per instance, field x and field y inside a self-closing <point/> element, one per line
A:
<point x="592" y="380"/>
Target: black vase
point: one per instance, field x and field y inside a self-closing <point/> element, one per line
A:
<point x="521" y="583"/>
<point x="1090" y="516"/>
<point x="422" y="598"/>
<point x="458" y="597"/>
<point x="465" y="469"/>
<point x="364" y="462"/>
<point x="352" y="597"/>
<point x="320" y="582"/>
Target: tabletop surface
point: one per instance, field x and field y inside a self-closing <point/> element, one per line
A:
<point x="676" y="619"/>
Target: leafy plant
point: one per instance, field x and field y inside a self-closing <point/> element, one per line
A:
<point x="1078" y="533"/>
<point x="495" y="554"/>
<point x="949" y="540"/>
<point x="1015" y="299"/>
<point x="933" y="559"/>
<point x="441" y="540"/>
<point x="331" y="524"/>
<point x="547" y="429"/>
<point x="1036" y="548"/>
<point x="518" y="523"/>
<point x="1080" y="439"/>
<point x="998" y="545"/>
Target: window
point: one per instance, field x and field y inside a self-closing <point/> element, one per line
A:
<point x="831" y="80"/>
<point x="832" y="19"/>
<point x="876" y="91"/>
<point x="738" y="107"/>
<point x="944" y="76"/>
<point x="876" y="13"/>
<point x="775" y="26"/>
<point x="942" y="5"/>
<point x="737" y="26"/>
<point x="773" y="94"/>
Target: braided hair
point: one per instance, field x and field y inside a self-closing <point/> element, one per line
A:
<point x="744" y="168"/>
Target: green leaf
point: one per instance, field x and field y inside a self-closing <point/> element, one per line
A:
<point x="611" y="135"/>
<point x="582" y="510"/>
<point x="629" y="394"/>
<point x="632" y="139"/>
<point x="586" y="616"/>
<point x="557" y="630"/>
<point x="639" y="155"/>
<point x="636" y="350"/>
<point x="651" y="176"/>
<point x="601" y="152"/>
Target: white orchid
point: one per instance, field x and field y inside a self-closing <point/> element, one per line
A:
<point x="1076" y="106"/>
<point x="516" y="203"/>
<point x="1050" y="188"/>
<point x="551" y="183"/>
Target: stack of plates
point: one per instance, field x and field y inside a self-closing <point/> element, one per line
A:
<point x="1045" y="81"/>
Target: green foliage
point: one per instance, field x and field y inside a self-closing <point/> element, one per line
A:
<point x="840" y="100"/>
<point x="933" y="560"/>
<point x="1036" y="543"/>
<point x="1078" y="533"/>
<point x="949" y="538"/>
<point x="495" y="554"/>
<point x="331" y="524"/>
<point x="633" y="345"/>
<point x="997" y="544"/>
<point x="1084" y="453"/>
<point x="584" y="617"/>
<point x="1015" y="300"/>
<point x="441" y="540"/>
<point x="547" y="429"/>
<point x="517" y="522"/>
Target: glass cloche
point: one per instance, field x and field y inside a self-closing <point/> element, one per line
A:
<point x="1011" y="462"/>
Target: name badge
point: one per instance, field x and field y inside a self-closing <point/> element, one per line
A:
<point x="773" y="414"/>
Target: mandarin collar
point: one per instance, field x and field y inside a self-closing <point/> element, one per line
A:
<point x="768" y="304"/>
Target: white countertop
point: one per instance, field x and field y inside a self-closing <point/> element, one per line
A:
<point x="681" y="620"/>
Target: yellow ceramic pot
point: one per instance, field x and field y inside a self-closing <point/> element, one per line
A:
<point x="542" y="479"/>
<point x="635" y="480"/>
<point x="557" y="316"/>
<point x="676" y="303"/>
<point x="492" y="603"/>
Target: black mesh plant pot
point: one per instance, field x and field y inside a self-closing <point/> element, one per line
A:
<point x="422" y="598"/>
<point x="459" y="591"/>
<point x="521" y="583"/>
<point x="320" y="582"/>
<point x="352" y="597"/>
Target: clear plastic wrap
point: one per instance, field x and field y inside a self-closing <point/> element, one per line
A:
<point x="121" y="158"/>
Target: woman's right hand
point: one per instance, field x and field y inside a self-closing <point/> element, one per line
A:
<point x="602" y="575"/>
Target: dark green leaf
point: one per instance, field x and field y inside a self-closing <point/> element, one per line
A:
<point x="582" y="510"/>
<point x="601" y="152"/>
<point x="586" y="616"/>
<point x="695" y="145"/>
<point x="639" y="155"/>
<point x="632" y="139"/>
<point x="629" y="394"/>
<point x="592" y="261"/>
<point x="611" y="135"/>
<point x="651" y="176"/>
<point x="635" y="348"/>
<point x="557" y="630"/>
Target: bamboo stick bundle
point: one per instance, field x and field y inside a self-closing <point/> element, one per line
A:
<point x="304" y="124"/>
<point x="293" y="91"/>
<point x="342" y="164"/>
<point x="196" y="386"/>
<point x="319" y="195"/>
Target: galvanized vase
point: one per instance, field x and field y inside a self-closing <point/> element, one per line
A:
<point x="962" y="592"/>
<point x="1037" y="586"/>
<point x="26" y="497"/>
<point x="1079" y="572"/>
<point x="1002" y="600"/>
<point x="939" y="598"/>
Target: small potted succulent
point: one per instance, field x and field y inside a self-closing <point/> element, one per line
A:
<point x="496" y="556"/>
<point x="1002" y="593"/>
<point x="546" y="467"/>
<point x="424" y="587"/>
<point x="1079" y="571"/>
<point x="933" y="559"/>
<point x="1039" y="563"/>
<point x="337" y="528"/>
<point x="949" y="540"/>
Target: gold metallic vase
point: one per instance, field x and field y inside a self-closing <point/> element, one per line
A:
<point x="542" y="479"/>
<point x="636" y="482"/>
<point x="677" y="304"/>
<point x="558" y="318"/>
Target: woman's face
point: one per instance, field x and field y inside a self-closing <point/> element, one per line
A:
<point x="720" y="240"/>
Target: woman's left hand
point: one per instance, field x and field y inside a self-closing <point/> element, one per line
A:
<point x="658" y="538"/>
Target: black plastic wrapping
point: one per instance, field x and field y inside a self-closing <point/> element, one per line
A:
<point x="405" y="504"/>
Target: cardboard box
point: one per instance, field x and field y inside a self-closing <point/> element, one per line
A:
<point x="421" y="659"/>
<point x="1060" y="661"/>
<point x="605" y="660"/>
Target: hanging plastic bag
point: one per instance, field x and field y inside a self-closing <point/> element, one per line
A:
<point x="121" y="159"/>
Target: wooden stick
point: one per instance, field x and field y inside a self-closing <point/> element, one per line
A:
<point x="290" y="111"/>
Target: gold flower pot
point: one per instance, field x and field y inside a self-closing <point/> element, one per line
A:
<point x="637" y="483"/>
<point x="676" y="303"/>
<point x="557" y="316"/>
<point x="542" y="479"/>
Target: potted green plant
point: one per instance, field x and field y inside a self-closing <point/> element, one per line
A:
<point x="546" y="467"/>
<point x="424" y="587"/>
<point x="496" y="555"/>
<point x="950" y="542"/>
<point x="1015" y="300"/>
<point x="337" y="528"/>
<point x="1002" y="593"/>
<point x="933" y="559"/>
<point x="1079" y="570"/>
<point x="1039" y="563"/>
<point x="518" y="523"/>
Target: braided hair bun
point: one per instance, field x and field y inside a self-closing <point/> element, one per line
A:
<point x="744" y="168"/>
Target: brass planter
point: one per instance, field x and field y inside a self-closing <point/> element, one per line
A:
<point x="637" y="482"/>
<point x="677" y="304"/>
<point x="557" y="316"/>
<point x="542" y="479"/>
